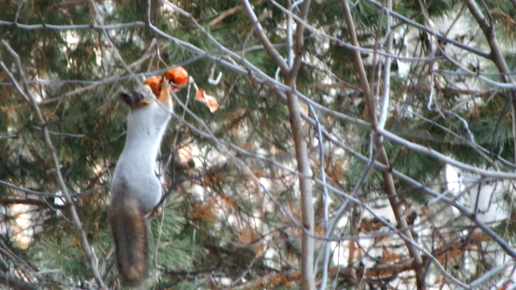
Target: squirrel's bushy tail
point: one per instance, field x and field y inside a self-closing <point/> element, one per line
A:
<point x="130" y="235"/>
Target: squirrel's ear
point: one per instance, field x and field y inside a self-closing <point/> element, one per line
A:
<point x="126" y="98"/>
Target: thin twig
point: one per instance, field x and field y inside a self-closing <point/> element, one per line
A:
<point x="273" y="53"/>
<point x="223" y="15"/>
<point x="387" y="73"/>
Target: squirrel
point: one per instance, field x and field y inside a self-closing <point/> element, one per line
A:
<point x="135" y="188"/>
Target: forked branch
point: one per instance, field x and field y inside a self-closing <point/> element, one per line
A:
<point x="389" y="187"/>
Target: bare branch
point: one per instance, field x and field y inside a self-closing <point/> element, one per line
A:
<point x="273" y="53"/>
<point x="299" y="39"/>
<point x="351" y="46"/>
<point x="496" y="53"/>
<point x="305" y="186"/>
<point x="382" y="155"/>
<point x="73" y="27"/>
<point x="425" y="29"/>
<point x="463" y="210"/>
<point x="29" y="201"/>
<point x="387" y="73"/>
<point x="259" y="76"/>
<point x="224" y="14"/>
<point x="443" y="158"/>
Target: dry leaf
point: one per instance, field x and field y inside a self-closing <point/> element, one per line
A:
<point x="208" y="100"/>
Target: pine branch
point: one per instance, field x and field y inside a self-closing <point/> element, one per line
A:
<point x="15" y="283"/>
<point x="55" y="160"/>
<point x="21" y="189"/>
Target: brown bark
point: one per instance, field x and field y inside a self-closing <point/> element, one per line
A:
<point x="389" y="187"/>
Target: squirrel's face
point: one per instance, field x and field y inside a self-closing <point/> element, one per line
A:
<point x="135" y="100"/>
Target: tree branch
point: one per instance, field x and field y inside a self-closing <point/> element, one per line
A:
<point x="296" y="125"/>
<point x="387" y="73"/>
<point x="260" y="77"/>
<point x="350" y="46"/>
<point x="55" y="160"/>
<point x="38" y="203"/>
<point x="273" y="53"/>
<point x="225" y="14"/>
<point x="72" y="27"/>
<point x="427" y="30"/>
<point x="441" y="196"/>
<point x="299" y="40"/>
<point x="15" y="282"/>
<point x="496" y="53"/>
<point x="389" y="187"/>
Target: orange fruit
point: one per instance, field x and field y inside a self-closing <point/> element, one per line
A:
<point x="178" y="76"/>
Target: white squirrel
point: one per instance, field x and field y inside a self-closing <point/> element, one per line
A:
<point x="135" y="189"/>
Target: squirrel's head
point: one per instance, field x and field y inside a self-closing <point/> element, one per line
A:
<point x="158" y="86"/>
<point x="136" y="99"/>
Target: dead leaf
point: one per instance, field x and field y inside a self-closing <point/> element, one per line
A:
<point x="208" y="100"/>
